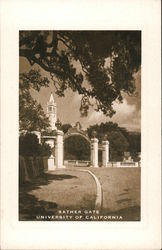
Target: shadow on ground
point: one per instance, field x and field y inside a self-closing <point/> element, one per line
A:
<point x="29" y="205"/>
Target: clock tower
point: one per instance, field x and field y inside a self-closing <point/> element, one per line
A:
<point x="51" y="112"/>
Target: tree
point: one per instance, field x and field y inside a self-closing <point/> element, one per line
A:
<point x="119" y="138"/>
<point x="107" y="60"/>
<point x="111" y="131"/>
<point x="29" y="146"/>
<point x="76" y="148"/>
<point x="65" y="127"/>
<point x="31" y="114"/>
<point x="118" y="145"/>
<point x="134" y="140"/>
<point x="102" y="130"/>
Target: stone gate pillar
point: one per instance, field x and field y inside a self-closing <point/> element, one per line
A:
<point x="59" y="149"/>
<point x="105" y="153"/>
<point x="51" y="163"/>
<point x="94" y="152"/>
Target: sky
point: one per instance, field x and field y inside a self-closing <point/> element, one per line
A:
<point x="128" y="113"/>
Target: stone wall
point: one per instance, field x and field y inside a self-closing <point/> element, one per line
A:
<point x="31" y="167"/>
<point x="124" y="164"/>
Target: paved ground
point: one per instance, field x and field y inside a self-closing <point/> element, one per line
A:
<point x="72" y="189"/>
<point x="61" y="189"/>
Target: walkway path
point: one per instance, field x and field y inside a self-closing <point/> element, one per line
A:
<point x="61" y="189"/>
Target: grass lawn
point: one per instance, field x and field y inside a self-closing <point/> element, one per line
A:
<point x="61" y="189"/>
<point x="121" y="191"/>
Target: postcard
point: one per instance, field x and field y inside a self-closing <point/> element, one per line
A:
<point x="79" y="160"/>
<point x="81" y="125"/>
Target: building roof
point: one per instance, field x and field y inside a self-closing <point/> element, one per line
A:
<point x="51" y="100"/>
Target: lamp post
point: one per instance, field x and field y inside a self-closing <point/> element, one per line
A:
<point x="94" y="150"/>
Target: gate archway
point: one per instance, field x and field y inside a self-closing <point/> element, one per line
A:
<point x="77" y="147"/>
<point x="76" y="132"/>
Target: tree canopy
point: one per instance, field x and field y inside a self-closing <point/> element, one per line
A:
<point x="31" y="114"/>
<point x="65" y="127"/>
<point x="107" y="62"/>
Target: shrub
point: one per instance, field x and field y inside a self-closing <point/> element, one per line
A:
<point x="29" y="146"/>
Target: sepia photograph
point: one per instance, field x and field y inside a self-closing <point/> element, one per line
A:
<point x="79" y="125"/>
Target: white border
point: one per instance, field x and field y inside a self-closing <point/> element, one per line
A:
<point x="109" y="15"/>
